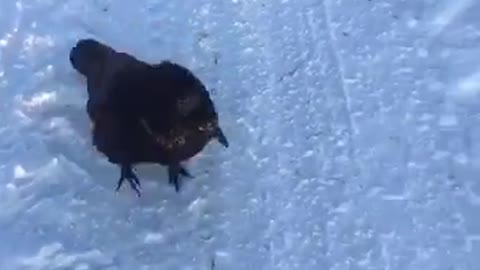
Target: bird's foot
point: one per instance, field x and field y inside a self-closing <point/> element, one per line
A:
<point x="174" y="171"/>
<point x="128" y="174"/>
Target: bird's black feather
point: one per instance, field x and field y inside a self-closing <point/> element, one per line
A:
<point x="156" y="113"/>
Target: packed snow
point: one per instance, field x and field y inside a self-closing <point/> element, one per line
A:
<point x="354" y="129"/>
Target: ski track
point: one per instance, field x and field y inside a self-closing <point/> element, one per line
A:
<point x="353" y="127"/>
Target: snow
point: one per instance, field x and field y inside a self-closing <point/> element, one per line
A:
<point x="353" y="124"/>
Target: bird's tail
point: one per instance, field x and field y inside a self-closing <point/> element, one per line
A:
<point x="220" y="136"/>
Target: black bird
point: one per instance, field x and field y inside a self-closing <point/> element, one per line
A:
<point x="144" y="113"/>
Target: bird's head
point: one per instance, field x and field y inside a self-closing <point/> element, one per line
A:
<point x="88" y="56"/>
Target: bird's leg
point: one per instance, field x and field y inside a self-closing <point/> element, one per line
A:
<point x="128" y="174"/>
<point x="220" y="136"/>
<point x="174" y="171"/>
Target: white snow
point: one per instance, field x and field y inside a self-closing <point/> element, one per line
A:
<point x="354" y="128"/>
<point x="448" y="12"/>
<point x="469" y="87"/>
<point x="151" y="238"/>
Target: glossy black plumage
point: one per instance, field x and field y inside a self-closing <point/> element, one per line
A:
<point x="156" y="113"/>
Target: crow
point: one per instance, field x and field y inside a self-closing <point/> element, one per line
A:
<point x="144" y="113"/>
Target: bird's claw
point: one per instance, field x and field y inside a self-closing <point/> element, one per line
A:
<point x="173" y="175"/>
<point x="184" y="172"/>
<point x="131" y="177"/>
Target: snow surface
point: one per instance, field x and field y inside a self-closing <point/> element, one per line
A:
<point x="354" y="128"/>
